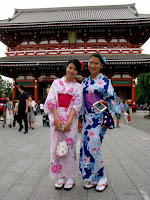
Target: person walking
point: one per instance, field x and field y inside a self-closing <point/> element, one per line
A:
<point x="9" y="112"/>
<point x="120" y="109"/>
<point x="95" y="88"/>
<point x="41" y="108"/>
<point x="3" y="108"/>
<point x="126" y="111"/>
<point x="22" y="107"/>
<point x="63" y="105"/>
<point x="32" y="109"/>
<point x="15" y="114"/>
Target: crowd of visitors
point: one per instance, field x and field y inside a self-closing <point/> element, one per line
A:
<point x="21" y="109"/>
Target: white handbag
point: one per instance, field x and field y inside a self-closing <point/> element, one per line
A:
<point x="62" y="147"/>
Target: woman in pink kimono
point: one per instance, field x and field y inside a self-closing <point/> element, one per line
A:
<point x="63" y="106"/>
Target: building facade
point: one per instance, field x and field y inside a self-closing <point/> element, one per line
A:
<point x="41" y="41"/>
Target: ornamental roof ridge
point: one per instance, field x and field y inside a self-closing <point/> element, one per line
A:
<point x="76" y="7"/>
<point x="102" y="14"/>
<point x="135" y="12"/>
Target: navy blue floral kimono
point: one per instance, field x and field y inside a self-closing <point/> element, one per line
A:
<point x="91" y="161"/>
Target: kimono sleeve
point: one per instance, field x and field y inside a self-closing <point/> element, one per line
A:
<point x="77" y="100"/>
<point x="111" y="97"/>
<point x="51" y="102"/>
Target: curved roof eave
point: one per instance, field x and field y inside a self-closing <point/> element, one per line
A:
<point x="77" y="22"/>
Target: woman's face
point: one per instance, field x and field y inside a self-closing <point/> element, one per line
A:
<point x="71" y="71"/>
<point x="94" y="66"/>
<point x="7" y="99"/>
<point x="30" y="99"/>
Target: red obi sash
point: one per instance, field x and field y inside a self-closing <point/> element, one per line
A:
<point x="64" y="100"/>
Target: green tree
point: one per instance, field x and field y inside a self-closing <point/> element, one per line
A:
<point x="143" y="89"/>
<point x="5" y="87"/>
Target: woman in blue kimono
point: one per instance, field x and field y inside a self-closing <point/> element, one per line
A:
<point x="95" y="88"/>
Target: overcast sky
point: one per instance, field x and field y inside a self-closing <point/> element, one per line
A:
<point x="7" y="10"/>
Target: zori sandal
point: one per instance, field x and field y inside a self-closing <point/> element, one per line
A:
<point x="69" y="185"/>
<point x="101" y="187"/>
<point x="90" y="185"/>
<point x="59" y="185"/>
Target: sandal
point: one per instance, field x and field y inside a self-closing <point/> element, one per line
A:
<point x="90" y="185"/>
<point x="101" y="187"/>
<point x="59" y="185"/>
<point x="69" y="185"/>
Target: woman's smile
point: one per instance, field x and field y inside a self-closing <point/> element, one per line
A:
<point x="71" y="71"/>
<point x="94" y="66"/>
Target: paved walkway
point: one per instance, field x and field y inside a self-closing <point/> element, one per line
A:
<point x="138" y="121"/>
<point x="24" y="165"/>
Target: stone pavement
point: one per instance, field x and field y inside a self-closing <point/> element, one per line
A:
<point x="24" y="165"/>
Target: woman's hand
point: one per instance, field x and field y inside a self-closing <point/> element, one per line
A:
<point x="79" y="125"/>
<point x="103" y="102"/>
<point x="58" y="125"/>
<point x="10" y="112"/>
<point x="67" y="126"/>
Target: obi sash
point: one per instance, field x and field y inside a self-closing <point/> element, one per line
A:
<point x="64" y="100"/>
<point x="90" y="99"/>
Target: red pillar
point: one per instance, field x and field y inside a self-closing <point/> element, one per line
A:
<point x="36" y="90"/>
<point x="133" y="95"/>
<point x="14" y="89"/>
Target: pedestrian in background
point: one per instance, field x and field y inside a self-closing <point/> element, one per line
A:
<point x="32" y="110"/>
<point x="126" y="111"/>
<point x="37" y="107"/>
<point x="9" y="112"/>
<point x="113" y="116"/>
<point x="41" y="108"/>
<point x="3" y="109"/>
<point x="120" y="109"/>
<point x="22" y="107"/>
<point x="15" y="114"/>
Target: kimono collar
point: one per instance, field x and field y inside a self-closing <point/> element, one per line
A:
<point x="64" y="79"/>
<point x="99" y="76"/>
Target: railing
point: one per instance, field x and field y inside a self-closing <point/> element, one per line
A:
<point x="75" y="51"/>
<point x="76" y="46"/>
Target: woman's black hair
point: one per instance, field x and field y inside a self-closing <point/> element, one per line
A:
<point x="9" y="97"/>
<point x="30" y="95"/>
<point x="97" y="55"/>
<point x="21" y="87"/>
<point x="76" y="63"/>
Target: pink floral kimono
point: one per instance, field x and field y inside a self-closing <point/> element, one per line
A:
<point x="63" y="96"/>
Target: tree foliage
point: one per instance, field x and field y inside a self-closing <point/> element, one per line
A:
<point x="5" y="87"/>
<point x="143" y="89"/>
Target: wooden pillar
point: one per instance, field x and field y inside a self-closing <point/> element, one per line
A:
<point x="14" y="89"/>
<point x="133" y="94"/>
<point x="36" y="90"/>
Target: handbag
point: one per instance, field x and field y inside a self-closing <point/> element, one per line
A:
<point x="35" y="113"/>
<point x="107" y="120"/>
<point x="62" y="148"/>
<point x="129" y="118"/>
<point x="1" y="111"/>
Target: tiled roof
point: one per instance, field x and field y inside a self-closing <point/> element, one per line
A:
<point x="75" y="14"/>
<point x="65" y="58"/>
